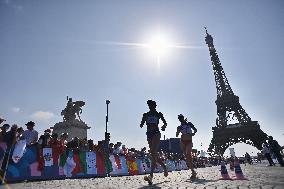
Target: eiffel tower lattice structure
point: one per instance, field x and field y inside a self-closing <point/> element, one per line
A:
<point x="228" y="107"/>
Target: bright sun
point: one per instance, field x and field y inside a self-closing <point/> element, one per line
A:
<point x="158" y="44"/>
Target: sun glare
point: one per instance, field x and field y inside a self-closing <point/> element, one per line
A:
<point x="158" y="44"/>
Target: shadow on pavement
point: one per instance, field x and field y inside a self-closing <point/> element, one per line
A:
<point x="153" y="186"/>
<point x="200" y="181"/>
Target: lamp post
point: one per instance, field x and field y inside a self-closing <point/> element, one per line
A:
<point x="107" y="103"/>
<point x="106" y="133"/>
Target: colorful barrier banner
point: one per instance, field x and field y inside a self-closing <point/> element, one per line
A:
<point x="69" y="165"/>
<point x="38" y="164"/>
<point x="124" y="168"/>
<point x="114" y="171"/>
<point x="141" y="169"/>
<point x="47" y="156"/>
<point x="100" y="162"/>
<point x="19" y="150"/>
<point x="91" y="163"/>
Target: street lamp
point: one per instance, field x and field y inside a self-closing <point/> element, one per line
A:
<point x="107" y="103"/>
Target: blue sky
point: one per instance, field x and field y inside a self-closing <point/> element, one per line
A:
<point x="51" y="49"/>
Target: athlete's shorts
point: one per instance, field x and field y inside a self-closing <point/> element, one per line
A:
<point x="152" y="133"/>
<point x="186" y="142"/>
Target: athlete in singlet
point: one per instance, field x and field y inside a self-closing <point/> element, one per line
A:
<point x="185" y="129"/>
<point x="151" y="119"/>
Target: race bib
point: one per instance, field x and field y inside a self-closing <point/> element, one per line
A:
<point x="153" y="120"/>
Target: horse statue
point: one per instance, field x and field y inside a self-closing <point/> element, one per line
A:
<point x="72" y="109"/>
<point x="77" y="108"/>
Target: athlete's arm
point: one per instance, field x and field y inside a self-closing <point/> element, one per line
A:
<point x="143" y="120"/>
<point x="164" y="121"/>
<point x="192" y="126"/>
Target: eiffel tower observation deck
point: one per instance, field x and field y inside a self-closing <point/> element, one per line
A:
<point x="224" y="134"/>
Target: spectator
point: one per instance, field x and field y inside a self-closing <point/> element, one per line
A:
<point x="44" y="139"/>
<point x="30" y="134"/>
<point x="20" y="134"/>
<point x="10" y="137"/>
<point x="117" y="148"/>
<point x="248" y="158"/>
<point x="63" y="141"/>
<point x="91" y="145"/>
<point x="276" y="148"/>
<point x="73" y="144"/>
<point x="266" y="153"/>
<point x="100" y="147"/>
<point x="84" y="146"/>
<point x="54" y="143"/>
<point x="123" y="150"/>
<point x="3" y="132"/>
<point x="142" y="153"/>
<point x="111" y="148"/>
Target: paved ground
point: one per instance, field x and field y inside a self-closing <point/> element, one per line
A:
<point x="259" y="177"/>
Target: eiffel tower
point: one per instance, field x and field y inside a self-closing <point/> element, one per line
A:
<point x="229" y="107"/>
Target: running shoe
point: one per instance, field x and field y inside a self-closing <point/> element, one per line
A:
<point x="148" y="179"/>
<point x="166" y="172"/>
<point x="193" y="175"/>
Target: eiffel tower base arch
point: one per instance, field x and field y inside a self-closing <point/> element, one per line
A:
<point x="223" y="137"/>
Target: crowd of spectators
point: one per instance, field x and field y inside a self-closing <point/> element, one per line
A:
<point x="59" y="144"/>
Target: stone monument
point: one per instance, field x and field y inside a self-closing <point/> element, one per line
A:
<point x="72" y="123"/>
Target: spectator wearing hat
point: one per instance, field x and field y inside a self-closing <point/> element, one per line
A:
<point x="30" y="134"/>
<point x="45" y="138"/>
<point x="3" y="131"/>
<point x="42" y="143"/>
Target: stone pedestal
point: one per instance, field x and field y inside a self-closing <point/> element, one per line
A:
<point x="74" y="128"/>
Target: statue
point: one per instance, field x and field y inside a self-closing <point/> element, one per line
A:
<point x="72" y="109"/>
<point x="72" y="123"/>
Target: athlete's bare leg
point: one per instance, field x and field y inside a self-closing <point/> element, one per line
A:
<point x="188" y="148"/>
<point x="155" y="143"/>
<point x="182" y="146"/>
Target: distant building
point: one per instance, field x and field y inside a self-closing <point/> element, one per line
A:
<point x="171" y="145"/>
